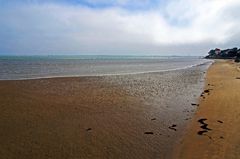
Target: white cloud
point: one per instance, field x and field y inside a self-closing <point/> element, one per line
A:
<point x="181" y="24"/>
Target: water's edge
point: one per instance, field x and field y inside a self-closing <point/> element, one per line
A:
<point x="208" y="62"/>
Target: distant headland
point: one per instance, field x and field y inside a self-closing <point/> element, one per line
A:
<point x="217" y="53"/>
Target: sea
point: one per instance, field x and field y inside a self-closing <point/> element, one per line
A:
<point x="34" y="67"/>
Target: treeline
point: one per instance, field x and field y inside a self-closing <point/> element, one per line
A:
<point x="233" y="53"/>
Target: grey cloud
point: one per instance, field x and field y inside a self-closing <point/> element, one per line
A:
<point x="64" y="29"/>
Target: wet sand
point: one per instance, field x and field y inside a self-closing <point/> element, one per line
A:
<point x="214" y="131"/>
<point x="127" y="116"/>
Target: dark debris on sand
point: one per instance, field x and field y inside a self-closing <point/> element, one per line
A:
<point x="173" y="127"/>
<point x="194" y="104"/>
<point x="89" y="129"/>
<point x="204" y="126"/>
<point x="148" y="132"/>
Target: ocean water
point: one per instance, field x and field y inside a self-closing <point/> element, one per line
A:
<point x="32" y="67"/>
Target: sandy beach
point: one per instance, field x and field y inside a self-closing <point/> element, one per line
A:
<point x="130" y="116"/>
<point x="214" y="131"/>
<point x="119" y="79"/>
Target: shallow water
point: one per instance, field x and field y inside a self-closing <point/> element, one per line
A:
<point x="26" y="67"/>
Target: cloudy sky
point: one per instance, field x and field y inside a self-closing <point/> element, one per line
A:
<point x="132" y="27"/>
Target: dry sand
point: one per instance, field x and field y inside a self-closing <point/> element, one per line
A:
<point x="218" y="117"/>
<point x="132" y="116"/>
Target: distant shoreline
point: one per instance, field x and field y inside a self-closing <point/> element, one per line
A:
<point x="233" y="53"/>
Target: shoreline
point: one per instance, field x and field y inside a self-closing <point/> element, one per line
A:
<point x="213" y="132"/>
<point x="103" y="75"/>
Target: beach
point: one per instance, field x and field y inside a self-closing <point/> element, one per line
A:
<point x="119" y="79"/>
<point x="214" y="130"/>
<point x="120" y="116"/>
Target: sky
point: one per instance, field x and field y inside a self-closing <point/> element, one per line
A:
<point x="118" y="27"/>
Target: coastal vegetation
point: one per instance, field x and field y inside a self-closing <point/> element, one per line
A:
<point x="217" y="53"/>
